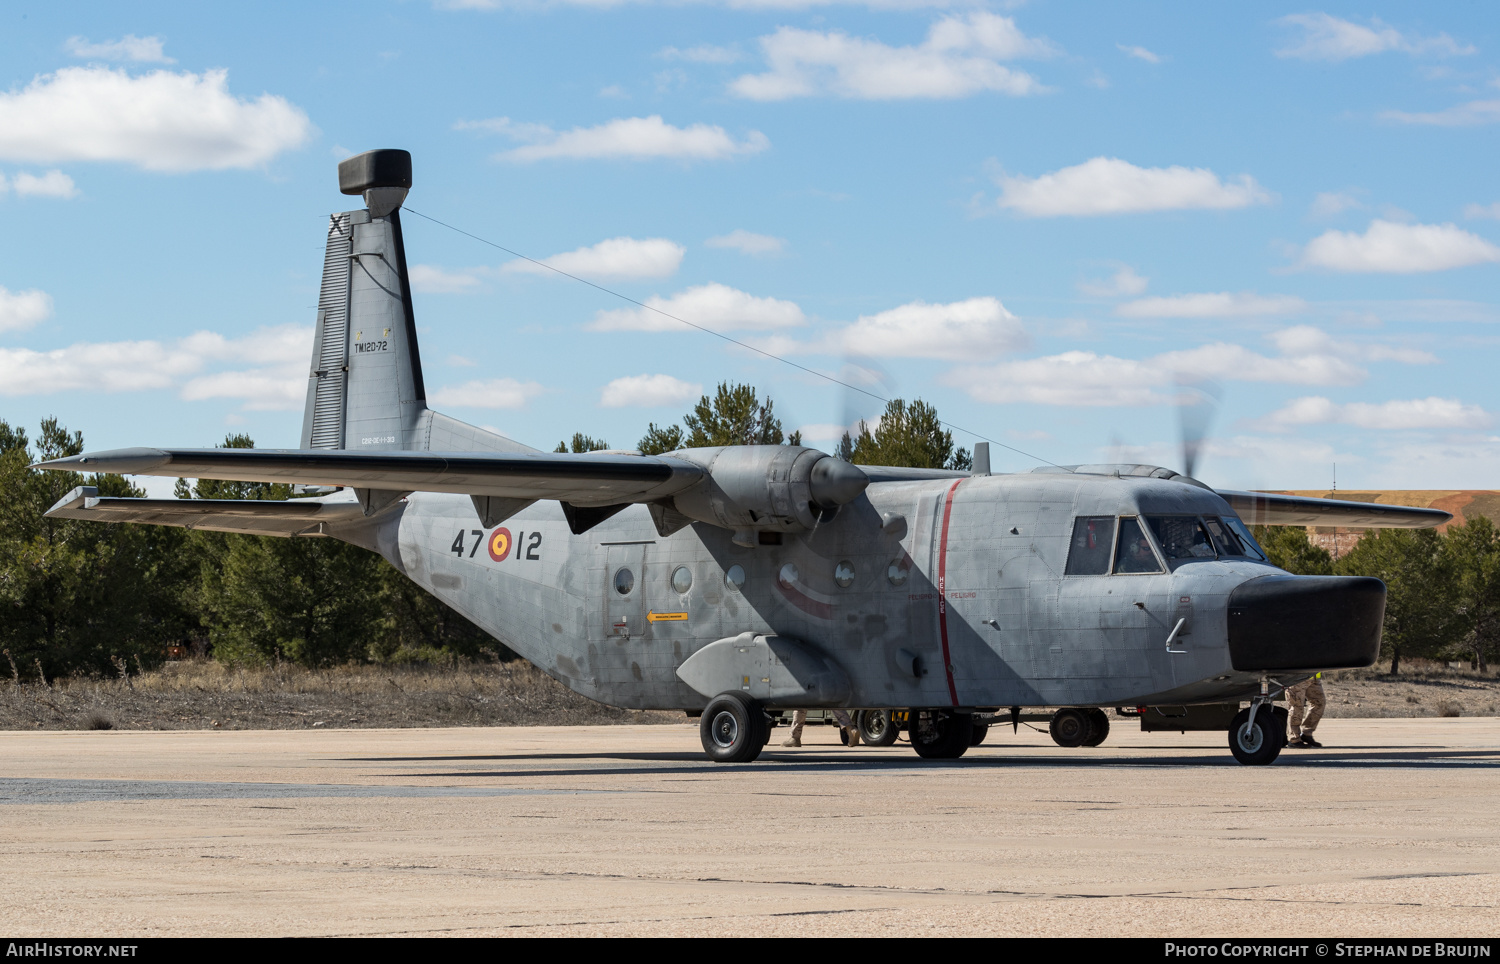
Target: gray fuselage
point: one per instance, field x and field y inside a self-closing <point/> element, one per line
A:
<point x="970" y="581"/>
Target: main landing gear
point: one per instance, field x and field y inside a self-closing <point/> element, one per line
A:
<point x="734" y="728"/>
<point x="1079" y="726"/>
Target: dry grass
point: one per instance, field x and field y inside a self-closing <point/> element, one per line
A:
<point x="1422" y="688"/>
<point x="207" y="695"/>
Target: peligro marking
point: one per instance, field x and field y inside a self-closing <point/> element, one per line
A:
<point x="943" y="591"/>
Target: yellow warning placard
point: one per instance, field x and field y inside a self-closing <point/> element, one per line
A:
<point x="667" y="617"/>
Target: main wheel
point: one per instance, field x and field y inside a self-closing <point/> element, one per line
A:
<point x="876" y="728"/>
<point x="977" y="734"/>
<point x="940" y="735"/>
<point x="1071" y="727"/>
<point x="733" y="728"/>
<point x="1260" y="743"/>
<point x="1100" y="721"/>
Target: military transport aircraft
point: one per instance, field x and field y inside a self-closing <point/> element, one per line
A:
<point x="737" y="582"/>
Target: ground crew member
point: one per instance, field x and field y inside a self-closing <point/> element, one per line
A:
<point x="1305" y="695"/>
<point x="848" y="730"/>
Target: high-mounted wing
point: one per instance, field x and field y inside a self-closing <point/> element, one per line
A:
<point x="588" y="480"/>
<point x="297" y="517"/>
<point x="1273" y="509"/>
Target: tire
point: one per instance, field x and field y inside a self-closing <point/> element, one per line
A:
<point x="940" y="735"/>
<point x="977" y="733"/>
<point x="1071" y="727"/>
<point x="876" y="728"/>
<point x="1259" y="745"/>
<point x="1100" y="720"/>
<point x="1281" y="722"/>
<point x="733" y="729"/>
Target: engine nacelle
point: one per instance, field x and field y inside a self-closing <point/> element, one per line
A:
<point x="778" y="488"/>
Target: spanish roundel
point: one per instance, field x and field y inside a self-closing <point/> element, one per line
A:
<point x="499" y="544"/>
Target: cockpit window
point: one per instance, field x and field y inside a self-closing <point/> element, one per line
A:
<point x="1133" y="552"/>
<point x="1093" y="538"/>
<point x="1181" y="537"/>
<point x="1225" y="541"/>
<point x="1252" y="548"/>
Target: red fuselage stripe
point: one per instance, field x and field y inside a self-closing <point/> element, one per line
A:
<point x="942" y="587"/>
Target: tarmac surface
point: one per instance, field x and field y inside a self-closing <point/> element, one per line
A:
<point x="1387" y="831"/>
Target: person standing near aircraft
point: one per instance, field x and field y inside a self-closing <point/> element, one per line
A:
<point x="1305" y="696"/>
<point x="847" y="729"/>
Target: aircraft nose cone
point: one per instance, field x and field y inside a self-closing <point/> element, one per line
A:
<point x="1305" y="622"/>
<point x="835" y="482"/>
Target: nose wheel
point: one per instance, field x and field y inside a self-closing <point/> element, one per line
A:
<point x="1257" y="734"/>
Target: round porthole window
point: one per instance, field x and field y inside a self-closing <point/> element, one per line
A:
<point x="788" y="575"/>
<point x="897" y="573"/>
<point x="734" y="579"/>
<point x="682" y="579"/>
<point x="624" y="582"/>
<point x="843" y="574"/>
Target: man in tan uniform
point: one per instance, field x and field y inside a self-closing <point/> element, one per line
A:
<point x="849" y="731"/>
<point x="1306" y="696"/>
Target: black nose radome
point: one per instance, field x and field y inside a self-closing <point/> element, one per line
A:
<point x="1305" y="622"/>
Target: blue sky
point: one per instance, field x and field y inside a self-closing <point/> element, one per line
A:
<point x="1043" y="218"/>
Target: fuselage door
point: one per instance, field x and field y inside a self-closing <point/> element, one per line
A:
<point x="625" y="591"/>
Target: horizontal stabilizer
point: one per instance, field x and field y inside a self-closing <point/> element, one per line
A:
<point x="250" y="516"/>
<point x="588" y="479"/>
<point x="1272" y="509"/>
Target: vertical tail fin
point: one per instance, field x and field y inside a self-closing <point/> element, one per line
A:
<point x="365" y="389"/>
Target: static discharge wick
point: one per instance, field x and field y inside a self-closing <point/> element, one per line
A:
<point x="716" y="334"/>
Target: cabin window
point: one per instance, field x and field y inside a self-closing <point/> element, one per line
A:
<point x="1133" y="552"/>
<point x="1252" y="548"/>
<point x="682" y="579"/>
<point x="734" y="579"/>
<point x="843" y="574"/>
<point x="624" y="582"/>
<point x="1225" y="541"/>
<point x="1181" y="537"/>
<point x="897" y="571"/>
<point x="1093" y="543"/>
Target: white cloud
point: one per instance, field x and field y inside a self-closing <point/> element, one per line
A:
<point x="713" y="306"/>
<point x="1122" y="282"/>
<point x="961" y="56"/>
<point x="1482" y="210"/>
<point x="612" y="258"/>
<point x="632" y="138"/>
<point x="492" y="393"/>
<point x="960" y="330"/>
<point x="51" y="184"/>
<point x="1140" y="53"/>
<point x="23" y="309"/>
<point x="702" y="54"/>
<point x="161" y="121"/>
<point x="430" y="279"/>
<point x="1416" y="413"/>
<point x="1307" y="356"/>
<point x="1399" y="249"/>
<point x="264" y="390"/>
<point x="1472" y="114"/>
<point x="146" y="50"/>
<point x="279" y="380"/>
<point x="1331" y="203"/>
<point x="1108" y="185"/>
<point x="647" y="391"/>
<point x="1328" y="38"/>
<point x="748" y="242"/>
<point x="1222" y="304"/>
<point x="460" y="361"/>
